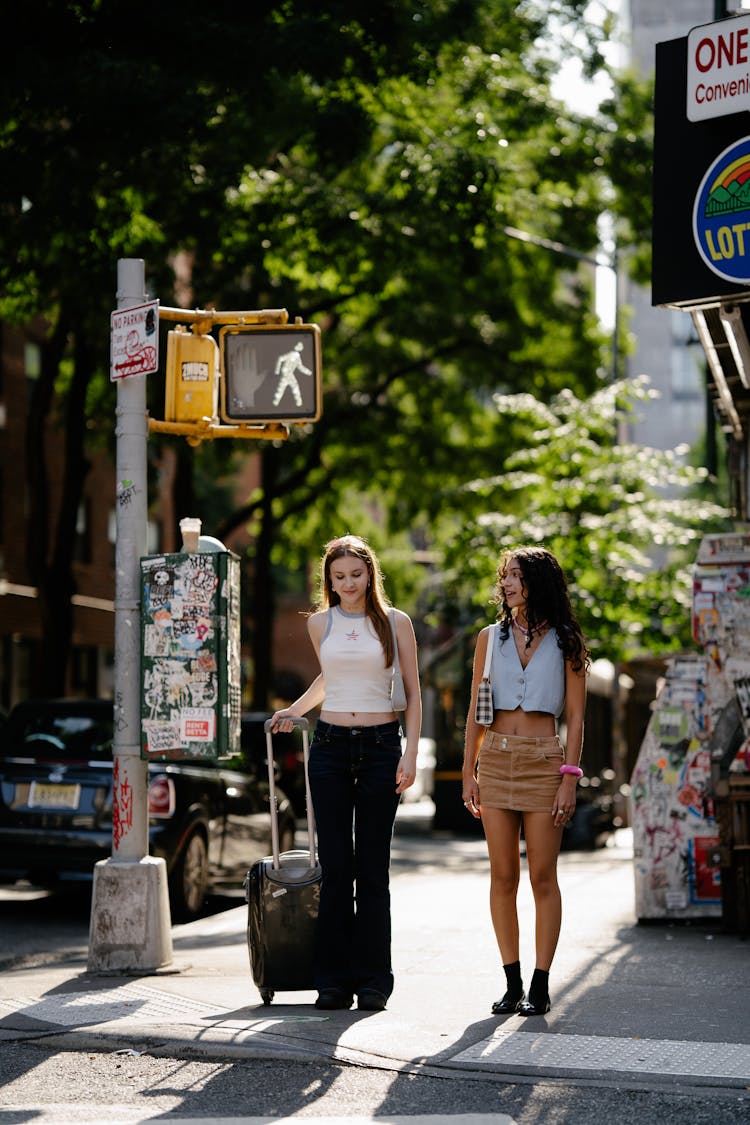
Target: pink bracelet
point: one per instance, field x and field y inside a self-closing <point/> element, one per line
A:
<point x="574" y="770"/>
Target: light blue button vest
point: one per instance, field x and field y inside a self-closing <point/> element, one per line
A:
<point x="540" y="686"/>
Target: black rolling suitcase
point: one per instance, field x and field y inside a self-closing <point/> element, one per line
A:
<point x="282" y="893"/>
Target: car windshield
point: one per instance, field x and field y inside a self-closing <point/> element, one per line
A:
<point x="44" y="732"/>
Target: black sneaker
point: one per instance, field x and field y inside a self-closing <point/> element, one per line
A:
<point x="370" y="1000"/>
<point x="331" y="998"/>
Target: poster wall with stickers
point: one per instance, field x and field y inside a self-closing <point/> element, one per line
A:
<point x="676" y="840"/>
<point x="190" y="656"/>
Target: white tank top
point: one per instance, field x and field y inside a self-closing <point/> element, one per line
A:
<point x="352" y="662"/>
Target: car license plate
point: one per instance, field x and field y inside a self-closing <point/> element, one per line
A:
<point x="47" y="795"/>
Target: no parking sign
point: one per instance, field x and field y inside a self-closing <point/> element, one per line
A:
<point x="134" y="341"/>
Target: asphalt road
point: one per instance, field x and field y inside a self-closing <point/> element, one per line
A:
<point x="53" y="1088"/>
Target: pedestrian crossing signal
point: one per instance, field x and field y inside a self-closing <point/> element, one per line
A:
<point x="270" y="374"/>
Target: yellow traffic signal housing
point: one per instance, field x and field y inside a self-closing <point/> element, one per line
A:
<point x="270" y="374"/>
<point x="192" y="390"/>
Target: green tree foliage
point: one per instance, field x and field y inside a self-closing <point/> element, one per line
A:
<point x="357" y="163"/>
<point x="428" y="304"/>
<point x="623" y="520"/>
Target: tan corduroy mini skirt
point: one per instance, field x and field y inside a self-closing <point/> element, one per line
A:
<point x="519" y="773"/>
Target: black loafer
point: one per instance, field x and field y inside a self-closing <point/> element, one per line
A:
<point x="508" y="1005"/>
<point x="528" y="1009"/>
<point x="331" y="998"/>
<point x="370" y="1000"/>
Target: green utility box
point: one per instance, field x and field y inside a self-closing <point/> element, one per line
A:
<point x="190" y="656"/>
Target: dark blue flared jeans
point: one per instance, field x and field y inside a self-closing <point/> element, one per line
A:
<point x="353" y="786"/>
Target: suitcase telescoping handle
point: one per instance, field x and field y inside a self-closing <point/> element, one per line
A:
<point x="303" y="724"/>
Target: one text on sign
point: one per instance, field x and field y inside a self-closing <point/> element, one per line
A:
<point x="718" y="69"/>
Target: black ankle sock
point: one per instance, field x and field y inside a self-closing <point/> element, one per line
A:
<point x="539" y="990"/>
<point x="513" y="978"/>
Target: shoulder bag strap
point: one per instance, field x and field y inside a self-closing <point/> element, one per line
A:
<point x="488" y="656"/>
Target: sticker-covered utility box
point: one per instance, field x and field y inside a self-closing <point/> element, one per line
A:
<point x="691" y="769"/>
<point x="190" y="656"/>
<point x="674" y="826"/>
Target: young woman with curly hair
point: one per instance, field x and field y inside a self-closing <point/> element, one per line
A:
<point x="516" y="770"/>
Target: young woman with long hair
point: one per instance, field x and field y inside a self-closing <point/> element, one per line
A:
<point x="358" y="769"/>
<point x="516" y="771"/>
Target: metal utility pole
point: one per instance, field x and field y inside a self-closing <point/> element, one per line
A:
<point x="130" y="921"/>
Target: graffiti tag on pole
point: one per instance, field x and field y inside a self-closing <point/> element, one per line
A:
<point x="122" y="804"/>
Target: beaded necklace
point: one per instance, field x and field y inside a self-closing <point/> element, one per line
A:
<point x="536" y="629"/>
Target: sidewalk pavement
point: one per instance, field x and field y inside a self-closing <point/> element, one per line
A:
<point x="632" y="1005"/>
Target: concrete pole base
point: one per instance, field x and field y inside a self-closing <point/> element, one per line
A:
<point x="131" y="927"/>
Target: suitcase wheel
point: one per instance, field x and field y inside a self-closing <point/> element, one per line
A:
<point x="266" y="995"/>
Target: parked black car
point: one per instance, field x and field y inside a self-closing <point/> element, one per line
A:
<point x="208" y="820"/>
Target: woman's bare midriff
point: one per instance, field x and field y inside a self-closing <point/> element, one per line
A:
<point x="357" y="718"/>
<point x="527" y="724"/>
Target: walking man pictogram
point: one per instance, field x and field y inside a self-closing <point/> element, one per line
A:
<point x="287" y="366"/>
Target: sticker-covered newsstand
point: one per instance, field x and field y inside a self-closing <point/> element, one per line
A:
<point x="190" y="655"/>
<point x="691" y="781"/>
